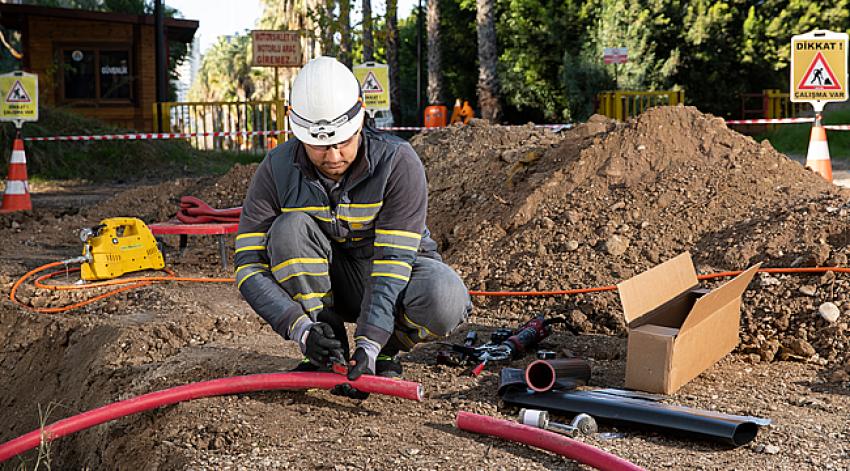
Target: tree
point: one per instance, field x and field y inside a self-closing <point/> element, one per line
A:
<point x="345" y="50"/>
<point x="392" y="41"/>
<point x="488" y="54"/>
<point x="368" y="43"/>
<point x="435" y="59"/>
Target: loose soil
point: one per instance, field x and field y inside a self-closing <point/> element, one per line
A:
<point x="516" y="208"/>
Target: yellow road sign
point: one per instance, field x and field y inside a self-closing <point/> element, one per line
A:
<point x="20" y="97"/>
<point x="375" y="82"/>
<point x="819" y="67"/>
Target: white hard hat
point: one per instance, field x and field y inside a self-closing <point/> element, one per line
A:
<point x="325" y="105"/>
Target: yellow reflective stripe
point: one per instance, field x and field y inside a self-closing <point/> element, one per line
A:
<point x="314" y="308"/>
<point x="293" y="261"/>
<point x="412" y="235"/>
<point x="249" y="276"/>
<point x="420" y="327"/>
<point x="323" y="219"/>
<point x="250" y="234"/>
<point x="306" y="208"/>
<point x="356" y="239"/>
<point x="393" y="262"/>
<point x="362" y="205"/>
<point x="300" y="296"/>
<point x="250" y="247"/>
<point x="305" y="273"/>
<point x="402" y="247"/>
<point x="355" y="218"/>
<point x="242" y="267"/>
<point x="391" y="275"/>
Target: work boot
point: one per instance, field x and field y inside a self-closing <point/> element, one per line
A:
<point x="388" y="366"/>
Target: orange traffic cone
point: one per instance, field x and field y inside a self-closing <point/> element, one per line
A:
<point x="17" y="195"/>
<point x="818" y="156"/>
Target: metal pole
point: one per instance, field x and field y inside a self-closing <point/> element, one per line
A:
<point x="160" y="63"/>
<point x="419" y="116"/>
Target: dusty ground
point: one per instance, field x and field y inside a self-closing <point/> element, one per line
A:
<point x="513" y="208"/>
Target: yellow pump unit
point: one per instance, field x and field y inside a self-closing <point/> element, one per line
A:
<point x="117" y="246"/>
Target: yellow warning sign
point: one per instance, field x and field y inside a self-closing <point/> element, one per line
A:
<point x="20" y="97"/>
<point x="375" y="84"/>
<point x="819" y="67"/>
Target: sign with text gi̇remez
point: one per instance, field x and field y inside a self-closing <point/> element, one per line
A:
<point x="276" y="48"/>
<point x="615" y="55"/>
<point x="819" y="67"/>
<point x="20" y="97"/>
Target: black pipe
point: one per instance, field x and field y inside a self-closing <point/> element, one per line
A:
<point x="735" y="430"/>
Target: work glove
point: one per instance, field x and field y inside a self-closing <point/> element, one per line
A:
<point x="361" y="363"/>
<point x="320" y="345"/>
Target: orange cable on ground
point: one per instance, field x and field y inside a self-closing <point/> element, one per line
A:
<point x="140" y="281"/>
<point x="129" y="284"/>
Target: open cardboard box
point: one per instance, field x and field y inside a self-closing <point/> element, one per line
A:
<point x="676" y="329"/>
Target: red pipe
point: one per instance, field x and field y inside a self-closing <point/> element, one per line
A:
<point x="550" y="441"/>
<point x="216" y="387"/>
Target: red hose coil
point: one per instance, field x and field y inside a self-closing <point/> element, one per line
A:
<point x="216" y="387"/>
<point x="550" y="441"/>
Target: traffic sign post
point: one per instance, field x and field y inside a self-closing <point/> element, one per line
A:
<point x="276" y="49"/>
<point x="20" y="97"/>
<point x="819" y="76"/>
<point x="819" y="68"/>
<point x="615" y="55"/>
<point x="375" y="84"/>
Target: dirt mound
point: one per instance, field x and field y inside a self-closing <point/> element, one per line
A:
<point x="605" y="201"/>
<point x="517" y="208"/>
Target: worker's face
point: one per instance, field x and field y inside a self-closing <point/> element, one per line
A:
<point x="333" y="160"/>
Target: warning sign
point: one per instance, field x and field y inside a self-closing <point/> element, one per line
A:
<point x="819" y="67"/>
<point x="276" y="49"/>
<point x="371" y="84"/>
<point x="20" y="97"/>
<point x="374" y="82"/>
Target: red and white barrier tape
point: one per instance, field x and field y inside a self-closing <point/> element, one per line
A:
<point x="770" y="121"/>
<point x="148" y="136"/>
<point x="187" y="135"/>
<point x="837" y="127"/>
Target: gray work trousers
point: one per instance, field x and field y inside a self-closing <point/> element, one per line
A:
<point x="324" y="278"/>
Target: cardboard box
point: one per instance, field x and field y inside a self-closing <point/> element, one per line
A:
<point x="676" y="329"/>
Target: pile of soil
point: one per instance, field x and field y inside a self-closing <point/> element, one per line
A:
<point x="607" y="201"/>
<point x="519" y="208"/>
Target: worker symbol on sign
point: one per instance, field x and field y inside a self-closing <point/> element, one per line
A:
<point x="371" y="84"/>
<point x="819" y="76"/>
<point x="17" y="94"/>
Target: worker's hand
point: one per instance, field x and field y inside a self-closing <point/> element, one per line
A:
<point x="360" y="364"/>
<point x="320" y="344"/>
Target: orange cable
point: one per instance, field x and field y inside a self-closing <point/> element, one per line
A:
<point x="138" y="282"/>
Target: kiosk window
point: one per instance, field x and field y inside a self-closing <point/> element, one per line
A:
<point x="79" y="67"/>
<point x="94" y="74"/>
<point x="115" y="74"/>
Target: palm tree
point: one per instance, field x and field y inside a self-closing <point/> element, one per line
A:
<point x="488" y="56"/>
<point x="368" y="43"/>
<point x="435" y="63"/>
<point x="345" y="32"/>
<point x="392" y="59"/>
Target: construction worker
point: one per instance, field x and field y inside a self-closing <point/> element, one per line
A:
<point x="333" y="231"/>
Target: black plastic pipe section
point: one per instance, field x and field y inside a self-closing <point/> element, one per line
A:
<point x="619" y="406"/>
